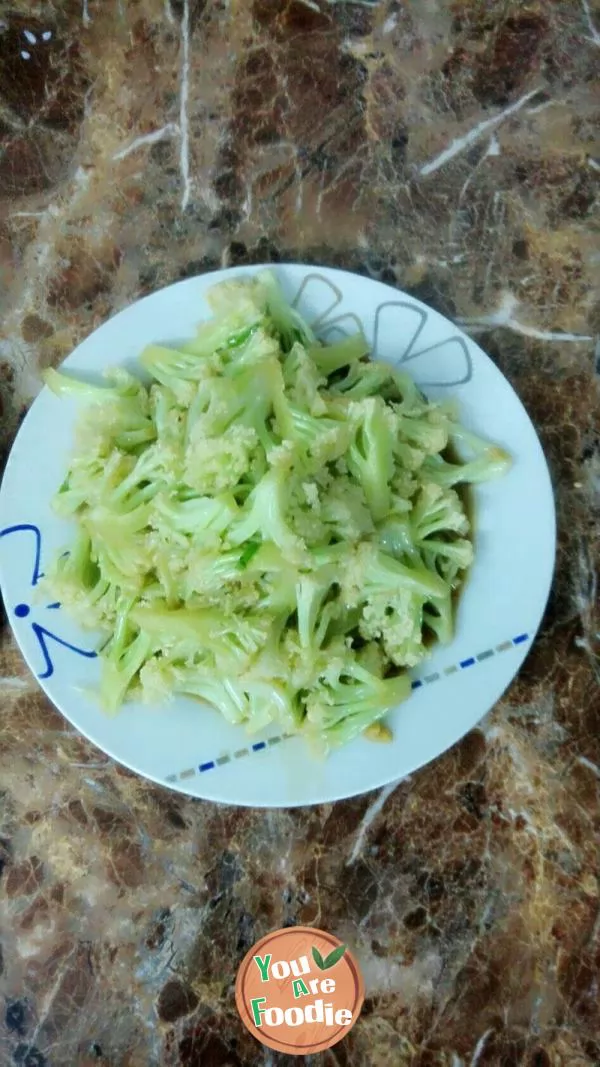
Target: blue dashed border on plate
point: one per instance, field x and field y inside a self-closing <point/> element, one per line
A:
<point x="270" y="742"/>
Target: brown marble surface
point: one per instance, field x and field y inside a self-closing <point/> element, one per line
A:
<point x="451" y="147"/>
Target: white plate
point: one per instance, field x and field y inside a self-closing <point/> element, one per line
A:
<point x="193" y="749"/>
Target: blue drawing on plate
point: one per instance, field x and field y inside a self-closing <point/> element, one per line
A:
<point x="23" y="610"/>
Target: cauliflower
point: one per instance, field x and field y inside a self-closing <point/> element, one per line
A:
<point x="270" y="526"/>
<point x="436" y="509"/>
<point x="397" y="622"/>
<point x="215" y="464"/>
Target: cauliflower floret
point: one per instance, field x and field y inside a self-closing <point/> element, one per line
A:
<point x="428" y="433"/>
<point x="449" y="558"/>
<point x="303" y="381"/>
<point x="345" y="510"/>
<point x="306" y="523"/>
<point x="156" y="682"/>
<point x="282" y="456"/>
<point x="435" y="510"/>
<point x="215" y="464"/>
<point x="329" y="445"/>
<point x="267" y="513"/>
<point x="184" y="391"/>
<point x="311" y="494"/>
<point x="396" y="621"/>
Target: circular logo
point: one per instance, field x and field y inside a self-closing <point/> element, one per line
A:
<point x="299" y="990"/>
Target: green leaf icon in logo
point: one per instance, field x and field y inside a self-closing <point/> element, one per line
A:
<point x="317" y="957"/>
<point x="330" y="960"/>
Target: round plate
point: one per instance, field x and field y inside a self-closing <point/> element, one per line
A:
<point x="191" y="748"/>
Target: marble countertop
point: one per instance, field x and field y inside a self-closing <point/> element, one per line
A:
<point x="452" y="148"/>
